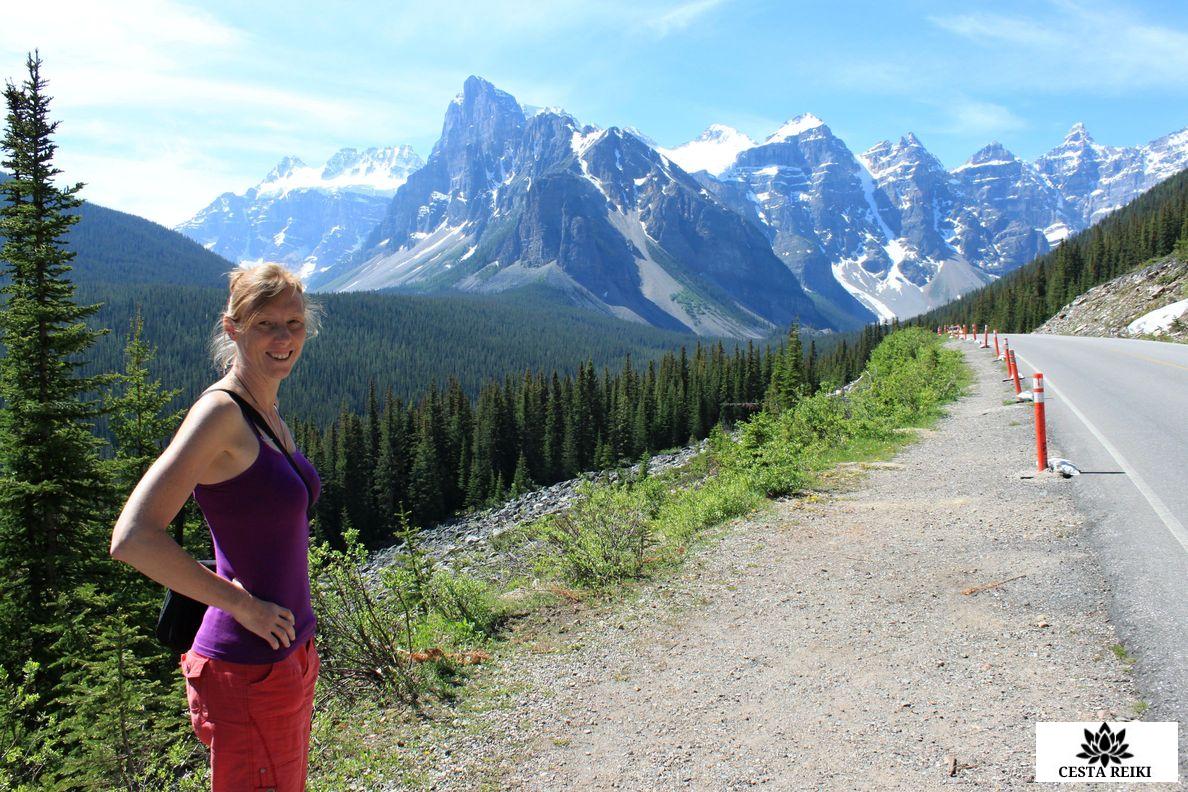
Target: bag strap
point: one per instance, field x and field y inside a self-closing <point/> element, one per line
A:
<point x="257" y="422"/>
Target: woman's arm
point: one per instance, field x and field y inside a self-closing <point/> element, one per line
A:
<point x="140" y="537"/>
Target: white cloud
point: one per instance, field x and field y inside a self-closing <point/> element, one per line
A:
<point x="1067" y="45"/>
<point x="146" y="35"/>
<point x="162" y="106"/>
<point x="680" y="17"/>
<point x="167" y="184"/>
<point x="979" y="119"/>
<point x="488" y="24"/>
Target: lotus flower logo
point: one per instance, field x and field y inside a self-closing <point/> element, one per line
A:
<point x="1105" y="746"/>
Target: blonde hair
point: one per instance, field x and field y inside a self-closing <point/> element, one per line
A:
<point x="252" y="288"/>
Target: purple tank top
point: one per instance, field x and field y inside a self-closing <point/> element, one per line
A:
<point x="260" y="532"/>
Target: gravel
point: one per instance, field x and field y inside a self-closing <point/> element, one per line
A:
<point x="826" y="641"/>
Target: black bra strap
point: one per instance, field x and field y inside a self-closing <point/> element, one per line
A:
<point x="257" y="422"/>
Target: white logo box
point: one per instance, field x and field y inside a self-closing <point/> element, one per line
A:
<point x="1154" y="747"/>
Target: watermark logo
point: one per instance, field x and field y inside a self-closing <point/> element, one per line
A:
<point x="1105" y="746"/>
<point x="1121" y="752"/>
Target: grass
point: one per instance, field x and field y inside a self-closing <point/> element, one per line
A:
<point x="1124" y="657"/>
<point x="615" y="542"/>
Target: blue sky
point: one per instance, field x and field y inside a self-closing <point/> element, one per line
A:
<point x="164" y="105"/>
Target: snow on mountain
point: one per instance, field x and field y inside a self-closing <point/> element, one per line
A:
<point x="598" y="215"/>
<point x="379" y="171"/>
<point x="794" y="127"/>
<point x="1094" y="180"/>
<point x="512" y="195"/>
<point x="1166" y="156"/>
<point x="713" y="151"/>
<point x="1008" y="204"/>
<point x="307" y="218"/>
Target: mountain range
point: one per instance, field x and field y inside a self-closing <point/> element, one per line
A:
<point x="723" y="235"/>
<point x="300" y="215"/>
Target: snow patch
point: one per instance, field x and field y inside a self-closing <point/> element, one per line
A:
<point x="714" y="151"/>
<point x="1159" y="320"/>
<point x="375" y="171"/>
<point x="796" y="126"/>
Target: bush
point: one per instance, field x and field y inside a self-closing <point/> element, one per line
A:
<point x="718" y="499"/>
<point x="764" y="455"/>
<point x="464" y="602"/>
<point x="606" y="535"/>
<point x="383" y="633"/>
<point x="911" y="375"/>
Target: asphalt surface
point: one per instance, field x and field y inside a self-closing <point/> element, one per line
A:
<point x="1118" y="409"/>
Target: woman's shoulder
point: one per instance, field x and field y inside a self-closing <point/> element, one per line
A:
<point x="214" y="411"/>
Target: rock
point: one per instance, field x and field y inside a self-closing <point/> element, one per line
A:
<point x="1106" y="310"/>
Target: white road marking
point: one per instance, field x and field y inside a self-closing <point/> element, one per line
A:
<point x="1174" y="526"/>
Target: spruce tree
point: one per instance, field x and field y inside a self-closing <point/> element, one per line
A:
<point x="138" y="420"/>
<point x="787" y="374"/>
<point x="55" y="496"/>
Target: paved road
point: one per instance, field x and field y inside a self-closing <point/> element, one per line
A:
<point x="1118" y="409"/>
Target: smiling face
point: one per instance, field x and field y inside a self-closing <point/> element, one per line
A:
<point x="269" y="343"/>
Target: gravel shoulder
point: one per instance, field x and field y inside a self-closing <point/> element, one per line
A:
<point x="826" y="641"/>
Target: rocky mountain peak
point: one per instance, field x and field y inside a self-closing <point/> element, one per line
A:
<point x="795" y="127"/>
<point x="720" y="132"/>
<point x="910" y="141"/>
<point x="1078" y="135"/>
<point x="284" y="169"/>
<point x="481" y="115"/>
<point x="364" y="163"/>
<point x="995" y="152"/>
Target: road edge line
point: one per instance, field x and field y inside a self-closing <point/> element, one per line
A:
<point x="1174" y="526"/>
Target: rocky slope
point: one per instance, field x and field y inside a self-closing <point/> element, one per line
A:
<point x="1115" y="308"/>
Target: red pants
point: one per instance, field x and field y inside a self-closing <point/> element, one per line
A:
<point x="255" y="718"/>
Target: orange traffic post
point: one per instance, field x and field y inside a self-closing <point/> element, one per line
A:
<point x="997" y="351"/>
<point x="1041" y="429"/>
<point x="985" y="336"/>
<point x="1006" y="354"/>
<point x="1013" y="366"/>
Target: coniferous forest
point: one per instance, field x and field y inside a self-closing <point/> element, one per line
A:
<point x="443" y="452"/>
<point x="1148" y="227"/>
<point x="88" y="700"/>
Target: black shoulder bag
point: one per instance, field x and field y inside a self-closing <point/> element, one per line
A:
<point x="181" y="616"/>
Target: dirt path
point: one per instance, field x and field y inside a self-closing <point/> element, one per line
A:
<point x="826" y="643"/>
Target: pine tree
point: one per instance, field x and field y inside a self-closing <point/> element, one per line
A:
<point x="138" y="420"/>
<point x="390" y="480"/>
<point x="55" y="496"/>
<point x="522" y="482"/>
<point x="425" y="477"/>
<point x="117" y="719"/>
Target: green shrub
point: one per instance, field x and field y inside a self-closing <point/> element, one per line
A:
<point x="462" y="601"/>
<point x="909" y="376"/>
<point x="718" y="499"/>
<point x="365" y="632"/>
<point x="606" y="535"/>
<point x="764" y="455"/>
<point x="387" y="634"/>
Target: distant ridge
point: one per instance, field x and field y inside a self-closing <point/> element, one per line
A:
<point x="117" y="247"/>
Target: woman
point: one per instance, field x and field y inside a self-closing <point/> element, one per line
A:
<point x="250" y="674"/>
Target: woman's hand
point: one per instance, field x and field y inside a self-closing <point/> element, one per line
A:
<point x="266" y="619"/>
